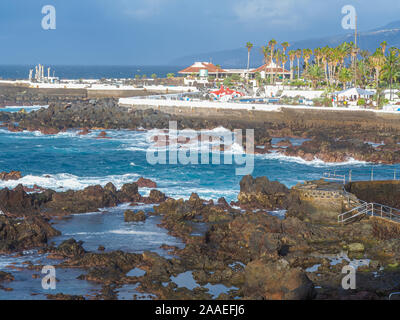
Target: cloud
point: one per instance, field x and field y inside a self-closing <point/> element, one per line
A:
<point x="282" y="13"/>
<point x="142" y="9"/>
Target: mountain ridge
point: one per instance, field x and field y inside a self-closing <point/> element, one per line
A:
<point x="237" y="58"/>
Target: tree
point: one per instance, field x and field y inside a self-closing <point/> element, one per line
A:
<point x="284" y="45"/>
<point x="154" y="76"/>
<point x="249" y="46"/>
<point x="298" y="56"/>
<point x="272" y="43"/>
<point x="292" y="56"/>
<point x="383" y="47"/>
<point x="345" y="76"/>
<point x="170" y="75"/>
<point x="391" y="69"/>
<point x="377" y="61"/>
<point x="228" y="82"/>
<point x="315" y="74"/>
<point x="306" y="56"/>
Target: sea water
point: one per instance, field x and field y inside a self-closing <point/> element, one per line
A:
<point x="69" y="161"/>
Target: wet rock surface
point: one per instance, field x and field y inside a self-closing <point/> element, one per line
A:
<point x="13" y="175"/>
<point x="17" y="235"/>
<point x="249" y="253"/>
<point x="333" y="136"/>
<point x="130" y="216"/>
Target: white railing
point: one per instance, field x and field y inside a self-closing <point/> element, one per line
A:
<point x="354" y="213"/>
<point x="334" y="177"/>
<point x="373" y="210"/>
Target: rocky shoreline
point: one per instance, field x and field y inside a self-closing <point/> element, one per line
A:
<point x="243" y="247"/>
<point x="330" y="137"/>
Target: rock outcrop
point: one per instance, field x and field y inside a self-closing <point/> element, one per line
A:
<point x="18" y="235"/>
<point x="12" y="175"/>
<point x="130" y="216"/>
<point x="262" y="193"/>
<point x="276" y="281"/>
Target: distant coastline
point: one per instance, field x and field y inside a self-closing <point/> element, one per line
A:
<point x="18" y="72"/>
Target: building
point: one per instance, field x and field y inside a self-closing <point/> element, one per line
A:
<point x="203" y="70"/>
<point x="206" y="69"/>
<point x="271" y="69"/>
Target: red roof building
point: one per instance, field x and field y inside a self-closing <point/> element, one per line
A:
<point x="226" y="92"/>
<point x="271" y="68"/>
<point x="197" y="66"/>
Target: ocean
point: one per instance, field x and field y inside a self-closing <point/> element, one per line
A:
<point x="12" y="72"/>
<point x="70" y="161"/>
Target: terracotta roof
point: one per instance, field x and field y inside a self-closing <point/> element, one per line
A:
<point x="197" y="66"/>
<point x="226" y="92"/>
<point x="269" y="69"/>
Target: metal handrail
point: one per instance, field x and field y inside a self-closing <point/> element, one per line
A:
<point x="372" y="209"/>
<point x="334" y="177"/>
<point x="362" y="209"/>
<point x="392" y="294"/>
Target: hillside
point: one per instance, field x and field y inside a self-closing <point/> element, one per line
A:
<point x="237" y="58"/>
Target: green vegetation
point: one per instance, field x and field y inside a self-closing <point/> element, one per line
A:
<point x="336" y="68"/>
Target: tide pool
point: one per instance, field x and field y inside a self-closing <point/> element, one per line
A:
<point x="71" y="161"/>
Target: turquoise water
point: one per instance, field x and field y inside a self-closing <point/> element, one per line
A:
<point x="69" y="161"/>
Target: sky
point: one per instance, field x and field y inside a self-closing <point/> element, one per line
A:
<point x="154" y="32"/>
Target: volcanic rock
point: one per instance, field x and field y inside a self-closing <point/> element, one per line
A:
<point x="12" y="175"/>
<point x="146" y="183"/>
<point x="130" y="216"/>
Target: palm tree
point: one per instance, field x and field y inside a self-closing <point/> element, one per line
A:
<point x="306" y="56"/>
<point x="324" y="56"/>
<point x="377" y="62"/>
<point x="272" y="43"/>
<point x="345" y="76"/>
<point x="315" y="74"/>
<point x="285" y="45"/>
<point x="292" y="56"/>
<point x="318" y="55"/>
<point x="284" y="60"/>
<point x="298" y="56"/>
<point x="383" y="47"/>
<point x="391" y="69"/>
<point x="249" y="46"/>
<point x="265" y="50"/>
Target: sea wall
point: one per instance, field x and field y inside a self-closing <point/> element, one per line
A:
<point x="22" y="94"/>
<point x="280" y="115"/>
<point x="383" y="192"/>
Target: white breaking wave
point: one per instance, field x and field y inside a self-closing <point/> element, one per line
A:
<point x="133" y="232"/>
<point x="315" y="163"/>
<point x="65" y="181"/>
<point x="117" y="231"/>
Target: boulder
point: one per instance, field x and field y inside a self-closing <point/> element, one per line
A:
<point x="84" y="132"/>
<point x="156" y="196"/>
<point x="356" y="247"/>
<point x="146" y="183"/>
<point x="18" y="235"/>
<point x="12" y="175"/>
<point x="71" y="248"/>
<point x="130" y="216"/>
<point x="103" y="135"/>
<point x="276" y="281"/>
<point x="262" y="193"/>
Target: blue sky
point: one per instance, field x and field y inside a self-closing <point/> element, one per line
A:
<point x="135" y="32"/>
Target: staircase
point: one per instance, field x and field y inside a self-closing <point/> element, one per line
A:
<point x="370" y="209"/>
